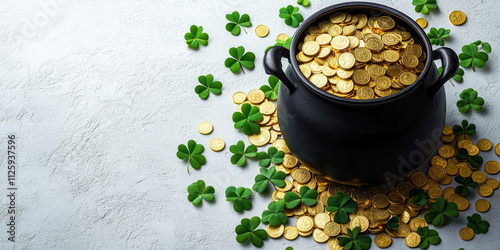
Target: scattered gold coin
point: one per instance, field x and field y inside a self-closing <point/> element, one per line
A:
<point x="205" y="128"/>
<point x="482" y="205"/>
<point x="256" y="96"/>
<point x="383" y="240"/>
<point x="291" y="233"/>
<point x="261" y="30"/>
<point x="412" y="240"/>
<point x="267" y="108"/>
<point x="497" y="149"/>
<point x="217" y="144"/>
<point x="239" y="97"/>
<point x="261" y="138"/>
<point x="320" y="236"/>
<point x="332" y="229"/>
<point x="485" y="190"/>
<point x="492" y="167"/>
<point x="275" y="232"/>
<point x="304" y="223"/>
<point x="282" y="37"/>
<point x="457" y="17"/>
<point x="466" y="234"/>
<point x="484" y="144"/>
<point x="422" y="23"/>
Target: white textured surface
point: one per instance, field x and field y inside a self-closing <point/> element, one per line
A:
<point x="99" y="94"/>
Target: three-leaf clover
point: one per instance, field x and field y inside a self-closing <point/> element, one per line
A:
<point x="306" y="195"/>
<point x="466" y="128"/>
<point x="237" y="23"/>
<point x="197" y="191"/>
<point x="240" y="198"/>
<point x="393" y="223"/>
<point x="423" y="6"/>
<point x="428" y="236"/>
<point x="439" y="209"/>
<point x="343" y="204"/>
<point x="471" y="56"/>
<point x="274" y="214"/>
<point x="304" y="3"/>
<point x="463" y="189"/>
<point x="470" y="100"/>
<point x="291" y="16"/>
<point x="474" y="161"/>
<point x="196" y="37"/>
<point x="419" y="196"/>
<point x="281" y="43"/>
<point x="271" y="90"/>
<point x="353" y="242"/>
<point x="240" y="153"/>
<point x="475" y="223"/>
<point x="275" y="177"/>
<point x="457" y="77"/>
<point x="207" y="85"/>
<point x="246" y="119"/>
<point x="436" y="35"/>
<point x="247" y="229"/>
<point x="193" y="153"/>
<point x="272" y="155"/>
<point x="239" y="60"/>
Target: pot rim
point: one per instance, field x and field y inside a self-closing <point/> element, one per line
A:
<point x="331" y="97"/>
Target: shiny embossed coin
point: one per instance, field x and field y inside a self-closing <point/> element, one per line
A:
<point x="422" y="23"/>
<point x="482" y="205"/>
<point x="239" y="97"/>
<point x="275" y="232"/>
<point x="466" y="234"/>
<point x="304" y="223"/>
<point x="492" y="167"/>
<point x="256" y="96"/>
<point x="383" y="240"/>
<point x="457" y="17"/>
<point x="290" y="233"/>
<point x="217" y="144"/>
<point x="261" y="30"/>
<point x="412" y="240"/>
<point x="320" y="236"/>
<point x="261" y="138"/>
<point x="205" y="128"/>
<point x="484" y="144"/>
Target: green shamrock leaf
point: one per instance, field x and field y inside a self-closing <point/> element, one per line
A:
<point x="458" y="76"/>
<point x="306" y="195"/>
<point x="353" y="242"/>
<point x="272" y="155"/>
<point x="196" y="37"/>
<point x="475" y="161"/>
<point x="470" y="100"/>
<point x="239" y="197"/>
<point x="239" y="60"/>
<point x="193" y="153"/>
<point x="289" y="248"/>
<point x="436" y="36"/>
<point x="343" y="204"/>
<point x="271" y="91"/>
<point x="291" y="16"/>
<point x="428" y="237"/>
<point x="281" y="43"/>
<point x="393" y="223"/>
<point x="439" y="209"/>
<point x="246" y="119"/>
<point x="463" y="189"/>
<point x="423" y="6"/>
<point x="475" y="223"/>
<point x="419" y="196"/>
<point x="466" y="128"/>
<point x="304" y="3"/>
<point x="240" y="153"/>
<point x="274" y="214"/>
<point x="197" y="191"/>
<point x="237" y="23"/>
<point x="247" y="229"/>
<point x="471" y="56"/>
<point x="207" y="85"/>
<point x="275" y="177"/>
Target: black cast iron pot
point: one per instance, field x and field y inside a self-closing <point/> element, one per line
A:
<point x="362" y="142"/>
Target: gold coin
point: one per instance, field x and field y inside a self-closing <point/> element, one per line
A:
<point x="435" y="192"/>
<point x="374" y="44"/>
<point x="446" y="151"/>
<point x="412" y="240"/>
<point x="418" y="179"/>
<point x="256" y="96"/>
<point x="464" y="171"/>
<point x="340" y="42"/>
<point x="436" y="173"/>
<point x="335" y="30"/>
<point x="479" y="177"/>
<point x="422" y="23"/>
<point x="407" y="78"/>
<point x="409" y="60"/>
<point x="267" y="108"/>
<point x="492" y="182"/>
<point x="306" y="71"/>
<point x="205" y="128"/>
<point x="323" y="39"/>
<point x="380" y="214"/>
<point x="380" y="200"/>
<point x="239" y="97"/>
<point x="417" y="222"/>
<point x="485" y="190"/>
<point x="376" y="70"/>
<point x="319" y="80"/>
<point x="414" y="49"/>
<point x="497" y="149"/>
<point x="390" y="56"/>
<point x="310" y="48"/>
<point x="394" y="70"/>
<point x="280" y="144"/>
<point x="288" y="186"/>
<point x="316" y="209"/>
<point x="290" y="233"/>
<point x="324" y="52"/>
<point x="289" y="161"/>
<point x="305" y="234"/>
<point x="472" y="149"/>
<point x="484" y="144"/>
<point x="301" y="57"/>
<point x="345" y="86"/>
<point x="301" y="175"/>
<point x="315" y="30"/>
<point x="492" y="167"/>
<point x="275" y="232"/>
<point x="282" y="37"/>
<point x="353" y="42"/>
<point x="327" y="71"/>
<point x="385" y="23"/>
<point x="344" y="74"/>
<point x="320" y="236"/>
<point x="482" y="205"/>
<point x="321" y="219"/>
<point x="383" y="82"/>
<point x="360" y="77"/>
<point x="217" y="144"/>
<point x="260" y="139"/>
<point x="383" y="240"/>
<point x="332" y="229"/>
<point x="262" y="30"/>
<point x="466" y="234"/>
<point x="360" y="221"/>
<point x="338" y="17"/>
<point x="362" y="54"/>
<point x="365" y="93"/>
<point x="346" y="60"/>
<point x="333" y="244"/>
<point x="457" y="17"/>
<point x="304" y="223"/>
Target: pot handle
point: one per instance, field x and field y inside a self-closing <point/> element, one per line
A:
<point x="450" y="66"/>
<point x="272" y="65"/>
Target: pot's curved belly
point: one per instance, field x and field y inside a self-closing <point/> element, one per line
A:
<point x="362" y="146"/>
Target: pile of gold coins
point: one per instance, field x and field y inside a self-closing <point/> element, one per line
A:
<point x="375" y="205"/>
<point x="357" y="57"/>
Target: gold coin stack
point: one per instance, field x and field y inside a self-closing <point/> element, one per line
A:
<point x="357" y="57"/>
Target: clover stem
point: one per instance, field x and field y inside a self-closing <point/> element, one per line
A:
<point x="241" y="66"/>
<point x="244" y="29"/>
<point x="189" y="158"/>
